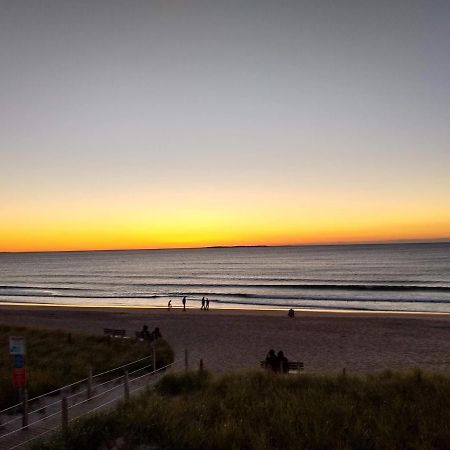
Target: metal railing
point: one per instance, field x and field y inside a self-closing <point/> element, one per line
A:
<point x="71" y="385"/>
<point x="79" y="403"/>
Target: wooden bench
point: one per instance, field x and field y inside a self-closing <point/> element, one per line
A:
<point x="139" y="335"/>
<point x="115" y="333"/>
<point x="293" y="366"/>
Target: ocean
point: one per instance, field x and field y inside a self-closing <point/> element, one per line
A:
<point x="387" y="277"/>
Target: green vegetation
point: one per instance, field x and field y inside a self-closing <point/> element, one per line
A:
<point x="258" y="410"/>
<point x="54" y="359"/>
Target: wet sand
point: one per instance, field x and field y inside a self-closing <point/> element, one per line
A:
<point x="233" y="339"/>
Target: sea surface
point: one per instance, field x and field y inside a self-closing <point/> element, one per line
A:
<point x="389" y="277"/>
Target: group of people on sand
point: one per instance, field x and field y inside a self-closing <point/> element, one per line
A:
<point x="276" y="362"/>
<point x="150" y="336"/>
<point x="205" y="304"/>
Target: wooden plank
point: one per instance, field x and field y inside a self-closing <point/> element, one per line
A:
<point x="114" y="332"/>
<point x="292" y="365"/>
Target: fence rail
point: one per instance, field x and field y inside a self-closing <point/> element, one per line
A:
<point x="36" y="423"/>
<point x="71" y="385"/>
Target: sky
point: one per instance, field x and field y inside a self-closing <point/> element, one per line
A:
<point x="150" y="124"/>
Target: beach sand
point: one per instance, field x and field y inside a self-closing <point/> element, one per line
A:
<point x="233" y="339"/>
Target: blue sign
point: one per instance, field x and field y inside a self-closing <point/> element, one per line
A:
<point x="18" y="361"/>
<point x="16" y="345"/>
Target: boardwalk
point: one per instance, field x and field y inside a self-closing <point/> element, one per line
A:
<point x="46" y="412"/>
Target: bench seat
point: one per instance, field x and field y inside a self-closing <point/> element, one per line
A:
<point x="294" y="366"/>
<point x="113" y="332"/>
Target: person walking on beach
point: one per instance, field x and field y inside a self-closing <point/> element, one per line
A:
<point x="184" y="303"/>
<point x="207" y="303"/>
<point x="203" y="303"/>
<point x="169" y="305"/>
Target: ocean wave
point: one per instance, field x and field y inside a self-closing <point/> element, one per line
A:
<point x="334" y="287"/>
<point x="225" y="297"/>
<point x="46" y="294"/>
<point x="211" y="276"/>
<point x="305" y="286"/>
<point x="51" y="288"/>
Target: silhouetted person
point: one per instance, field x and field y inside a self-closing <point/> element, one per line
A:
<point x="271" y="361"/>
<point x="203" y="303"/>
<point x="207" y="303"/>
<point x="157" y="334"/>
<point x="169" y="305"/>
<point x="283" y="362"/>
<point x="184" y="303"/>
<point x="146" y="334"/>
<point x="291" y="313"/>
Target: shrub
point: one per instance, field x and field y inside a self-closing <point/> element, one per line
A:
<point x="53" y="360"/>
<point x="258" y="410"/>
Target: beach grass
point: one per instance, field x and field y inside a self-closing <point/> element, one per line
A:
<point x="260" y="410"/>
<point x="55" y="358"/>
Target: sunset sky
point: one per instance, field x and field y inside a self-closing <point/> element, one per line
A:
<point x="143" y="124"/>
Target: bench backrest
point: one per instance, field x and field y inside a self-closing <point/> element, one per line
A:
<point x="292" y="365"/>
<point x="114" y="332"/>
<point x="295" y="365"/>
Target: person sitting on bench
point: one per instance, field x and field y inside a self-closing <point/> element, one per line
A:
<point x="272" y="361"/>
<point x="283" y="363"/>
<point x="157" y="334"/>
<point x="146" y="334"/>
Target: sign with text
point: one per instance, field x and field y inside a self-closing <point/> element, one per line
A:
<point x="16" y="345"/>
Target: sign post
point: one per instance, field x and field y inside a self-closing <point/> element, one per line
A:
<point x="16" y="345"/>
<point x="17" y="352"/>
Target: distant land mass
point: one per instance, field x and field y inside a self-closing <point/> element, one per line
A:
<point x="444" y="240"/>
<point x="243" y="246"/>
<point x="387" y="242"/>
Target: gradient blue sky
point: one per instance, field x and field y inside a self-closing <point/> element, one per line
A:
<point x="187" y="107"/>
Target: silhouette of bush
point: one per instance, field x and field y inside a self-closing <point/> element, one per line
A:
<point x="259" y="410"/>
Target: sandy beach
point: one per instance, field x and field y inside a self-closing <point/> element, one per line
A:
<point x="233" y="339"/>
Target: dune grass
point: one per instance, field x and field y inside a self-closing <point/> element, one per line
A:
<point x="54" y="359"/>
<point x="258" y="410"/>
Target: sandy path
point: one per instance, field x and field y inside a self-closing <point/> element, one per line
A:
<point x="239" y="339"/>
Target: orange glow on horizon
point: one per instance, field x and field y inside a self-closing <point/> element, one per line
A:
<point x="219" y="220"/>
<point x="154" y="125"/>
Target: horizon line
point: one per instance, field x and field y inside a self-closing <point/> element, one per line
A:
<point x="442" y="240"/>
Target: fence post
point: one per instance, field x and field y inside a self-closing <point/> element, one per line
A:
<point x="64" y="413"/>
<point x="89" y="383"/>
<point x="25" y="409"/>
<point x="126" y="386"/>
<point x="186" y="361"/>
<point x="201" y="365"/>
